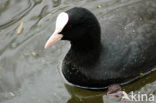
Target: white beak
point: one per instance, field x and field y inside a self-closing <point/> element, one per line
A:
<point x="61" y="21"/>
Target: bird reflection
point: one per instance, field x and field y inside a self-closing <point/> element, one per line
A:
<point x="79" y="95"/>
<point x="84" y="96"/>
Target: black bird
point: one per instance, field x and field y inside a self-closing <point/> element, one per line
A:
<point x="115" y="51"/>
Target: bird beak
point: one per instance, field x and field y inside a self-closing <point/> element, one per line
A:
<point x="53" y="39"/>
<point x="61" y="21"/>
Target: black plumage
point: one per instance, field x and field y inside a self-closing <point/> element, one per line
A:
<point x="110" y="51"/>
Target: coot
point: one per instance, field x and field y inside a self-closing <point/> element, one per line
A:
<point x="115" y="51"/>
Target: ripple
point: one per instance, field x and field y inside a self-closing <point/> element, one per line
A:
<point x="14" y="11"/>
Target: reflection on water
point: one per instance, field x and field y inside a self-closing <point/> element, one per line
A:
<point x="28" y="73"/>
<point x="85" y="96"/>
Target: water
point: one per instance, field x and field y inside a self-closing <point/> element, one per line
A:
<point x="28" y="72"/>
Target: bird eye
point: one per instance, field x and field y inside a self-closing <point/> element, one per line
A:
<point x="69" y="26"/>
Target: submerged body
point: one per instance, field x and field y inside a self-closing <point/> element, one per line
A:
<point x="119" y="52"/>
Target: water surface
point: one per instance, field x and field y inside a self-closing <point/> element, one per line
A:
<point x="28" y="72"/>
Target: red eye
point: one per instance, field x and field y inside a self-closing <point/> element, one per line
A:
<point x="69" y="26"/>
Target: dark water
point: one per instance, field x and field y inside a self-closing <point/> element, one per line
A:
<point x="28" y="72"/>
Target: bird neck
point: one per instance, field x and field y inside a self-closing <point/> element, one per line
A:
<point x="90" y="40"/>
<point x="85" y="52"/>
<point x="85" y="45"/>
